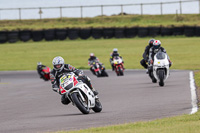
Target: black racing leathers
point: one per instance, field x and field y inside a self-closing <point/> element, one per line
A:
<point x="40" y="72"/>
<point x="145" y="56"/>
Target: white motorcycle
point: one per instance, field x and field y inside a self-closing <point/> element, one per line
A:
<point x="79" y="93"/>
<point x="161" y="67"/>
<point x="118" y="66"/>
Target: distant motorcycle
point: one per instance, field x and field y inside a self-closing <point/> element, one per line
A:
<point x="160" y="69"/>
<point x="79" y="93"/>
<point x="98" y="69"/>
<point x="118" y="66"/>
<point x="44" y="72"/>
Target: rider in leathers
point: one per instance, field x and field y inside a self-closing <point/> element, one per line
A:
<point x="40" y="66"/>
<point x="59" y="68"/>
<point x="91" y="60"/>
<point x="112" y="55"/>
<point x="145" y="59"/>
<point x="155" y="49"/>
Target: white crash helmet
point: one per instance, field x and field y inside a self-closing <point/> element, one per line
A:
<point x="58" y="61"/>
<point x="156" y="44"/>
<point x="115" y="50"/>
<point x="91" y="54"/>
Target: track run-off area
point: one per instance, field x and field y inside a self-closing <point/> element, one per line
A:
<point x="29" y="105"/>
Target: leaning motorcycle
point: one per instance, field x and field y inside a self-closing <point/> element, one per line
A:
<point x="98" y="69"/>
<point x="118" y="66"/>
<point x="79" y="93"/>
<point x="161" y="67"/>
<point x="46" y="73"/>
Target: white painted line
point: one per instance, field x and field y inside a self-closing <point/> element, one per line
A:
<point x="193" y="94"/>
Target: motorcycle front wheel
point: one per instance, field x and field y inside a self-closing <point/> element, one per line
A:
<point x="161" y="77"/>
<point x="98" y="107"/>
<point x="80" y="104"/>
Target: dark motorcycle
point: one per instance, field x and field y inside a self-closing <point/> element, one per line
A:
<point x="98" y="69"/>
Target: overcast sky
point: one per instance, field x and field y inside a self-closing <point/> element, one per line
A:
<point x="48" y="3"/>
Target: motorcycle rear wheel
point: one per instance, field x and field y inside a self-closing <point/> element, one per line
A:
<point x="79" y="103"/>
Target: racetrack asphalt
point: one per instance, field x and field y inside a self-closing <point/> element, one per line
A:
<point x="28" y="104"/>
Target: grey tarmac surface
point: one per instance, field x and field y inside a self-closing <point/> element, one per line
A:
<point x="28" y="104"/>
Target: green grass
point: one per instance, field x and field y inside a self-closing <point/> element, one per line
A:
<point x="184" y="52"/>
<point x="106" y="21"/>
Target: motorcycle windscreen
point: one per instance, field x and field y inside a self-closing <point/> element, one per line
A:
<point x="160" y="55"/>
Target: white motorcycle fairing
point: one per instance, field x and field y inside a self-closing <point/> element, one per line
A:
<point x="69" y="84"/>
<point x="161" y="65"/>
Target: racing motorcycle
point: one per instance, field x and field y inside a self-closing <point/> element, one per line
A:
<point x="45" y="72"/>
<point x="118" y="66"/>
<point x="79" y="93"/>
<point x="160" y="70"/>
<point x="98" y="69"/>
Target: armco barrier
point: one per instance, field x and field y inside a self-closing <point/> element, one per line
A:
<point x="97" y="33"/>
<point x="108" y="33"/>
<point x="85" y="33"/>
<point x="73" y="33"/>
<point x="154" y="31"/>
<point x="189" y="31"/>
<point x="143" y="31"/>
<point x="119" y="33"/>
<point x="166" y="31"/>
<point x="37" y="35"/>
<point x="49" y="35"/>
<point x="131" y="32"/>
<point x="3" y="37"/>
<point x="61" y="34"/>
<point x="13" y="36"/>
<point x="25" y="35"/>
<point x="177" y="31"/>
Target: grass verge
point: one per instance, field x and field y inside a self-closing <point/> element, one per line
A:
<point x="106" y="21"/>
<point x="184" y="52"/>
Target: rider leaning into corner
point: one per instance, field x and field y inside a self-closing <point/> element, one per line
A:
<point x="91" y="59"/>
<point x="112" y="55"/>
<point x="40" y="66"/>
<point x="60" y="67"/>
<point x="155" y="49"/>
<point x="145" y="55"/>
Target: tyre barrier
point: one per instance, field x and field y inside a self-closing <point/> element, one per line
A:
<point x="37" y="35"/>
<point x="73" y="33"/>
<point x="197" y="31"/>
<point x="49" y="35"/>
<point x="178" y="31"/>
<point x="108" y="33"/>
<point x="13" y="36"/>
<point x="119" y="33"/>
<point x="97" y="33"/>
<point x="165" y="31"/>
<point x="3" y="37"/>
<point x="61" y="34"/>
<point x="85" y="33"/>
<point x="143" y="31"/>
<point x="131" y="32"/>
<point x="25" y="35"/>
<point x="189" y="31"/>
<point x="154" y="31"/>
